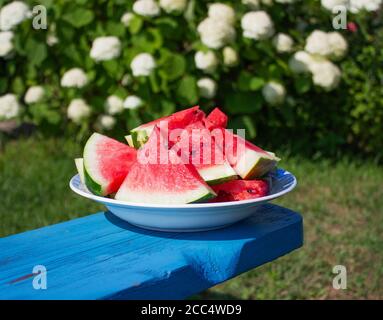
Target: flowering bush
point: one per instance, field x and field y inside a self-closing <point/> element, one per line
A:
<point x="276" y="66"/>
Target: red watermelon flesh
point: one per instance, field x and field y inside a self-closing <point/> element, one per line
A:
<point x="216" y="119"/>
<point x="237" y="190"/>
<point x="162" y="180"/>
<point x="106" y="163"/>
<point x="196" y="145"/>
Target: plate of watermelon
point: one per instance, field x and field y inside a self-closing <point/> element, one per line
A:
<point x="183" y="173"/>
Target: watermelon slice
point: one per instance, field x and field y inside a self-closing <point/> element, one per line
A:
<point x="216" y="119"/>
<point x="248" y="160"/>
<point x="106" y="164"/>
<point x="175" y="121"/>
<point x="80" y="169"/>
<point x="240" y="190"/>
<point x="197" y="146"/>
<point x="159" y="182"/>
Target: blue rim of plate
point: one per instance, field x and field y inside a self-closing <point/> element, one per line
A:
<point x="280" y="175"/>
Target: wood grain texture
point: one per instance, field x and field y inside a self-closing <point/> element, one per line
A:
<point x="103" y="257"/>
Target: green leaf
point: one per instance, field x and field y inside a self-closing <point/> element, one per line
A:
<point x="302" y="84"/>
<point x="173" y="67"/>
<point x="256" y="83"/>
<point x="187" y="93"/>
<point x="148" y="41"/>
<point x="36" y="51"/>
<point x="242" y="102"/>
<point x="79" y="17"/>
<point x="135" y="25"/>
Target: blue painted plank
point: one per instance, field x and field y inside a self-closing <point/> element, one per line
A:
<point x="102" y="257"/>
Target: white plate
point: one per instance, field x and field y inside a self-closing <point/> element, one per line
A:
<point x="189" y="217"/>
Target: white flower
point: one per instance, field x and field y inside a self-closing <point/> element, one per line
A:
<point x="78" y="110"/>
<point x="206" y="61"/>
<point x="300" y="62"/>
<point x="6" y="45"/>
<point x="34" y="94"/>
<point x="74" y="78"/>
<point x="114" y="105"/>
<point x="142" y="64"/>
<point x="317" y="43"/>
<point x="207" y="87"/>
<point x="107" y="122"/>
<point x="105" y="48"/>
<point x="230" y="56"/>
<point x="52" y="40"/>
<point x="133" y="102"/>
<point x="325" y="74"/>
<point x="368" y="5"/>
<point x="215" y="33"/>
<point x="257" y="25"/>
<point x="146" y="8"/>
<point x="253" y="4"/>
<point x="223" y="12"/>
<point x="9" y="106"/>
<point x="331" y="4"/>
<point x="173" y="5"/>
<point x="338" y="45"/>
<point x="127" y="18"/>
<point x="274" y="93"/>
<point x="126" y="80"/>
<point x="283" y="42"/>
<point x="13" y="14"/>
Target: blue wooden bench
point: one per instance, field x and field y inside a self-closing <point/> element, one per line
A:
<point x="102" y="257"/>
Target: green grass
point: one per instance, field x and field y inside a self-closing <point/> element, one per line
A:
<point x="341" y="204"/>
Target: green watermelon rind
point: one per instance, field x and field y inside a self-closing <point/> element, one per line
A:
<point x="93" y="183"/>
<point x="222" y="173"/>
<point x="263" y="165"/>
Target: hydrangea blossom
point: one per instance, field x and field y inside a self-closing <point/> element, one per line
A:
<point x="74" y="78"/>
<point x="34" y="94"/>
<point x="207" y="88"/>
<point x="300" y="62"/>
<point x="146" y="8"/>
<point x="274" y="93"/>
<point x="13" y="14"/>
<point x="105" y="48"/>
<point x="143" y="64"/>
<point x="6" y="45"/>
<point x="325" y="74"/>
<point x="107" y="122"/>
<point x="257" y="25"/>
<point x="170" y="6"/>
<point x="230" y="57"/>
<point x="78" y="110"/>
<point x="215" y="33"/>
<point x="223" y="12"/>
<point x="9" y="107"/>
<point x="114" y="105"/>
<point x="133" y="102"/>
<point x="127" y="18"/>
<point x="283" y="43"/>
<point x="206" y="61"/>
